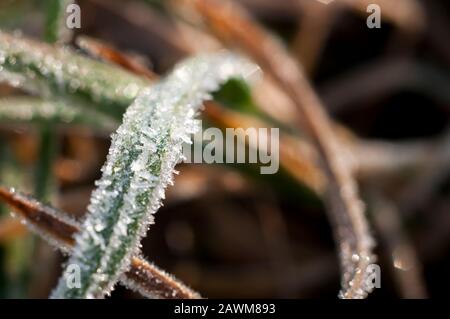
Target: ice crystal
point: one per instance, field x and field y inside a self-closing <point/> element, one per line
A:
<point x="139" y="166"/>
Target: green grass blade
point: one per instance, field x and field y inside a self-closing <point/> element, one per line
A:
<point x="55" y="28"/>
<point x="60" y="73"/>
<point x="25" y="109"/>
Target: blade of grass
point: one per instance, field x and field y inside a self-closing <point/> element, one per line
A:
<point x="139" y="166"/>
<point x="25" y="109"/>
<point x="55" y="72"/>
<point x="44" y="183"/>
<point x="55" y="31"/>
<point x="105" y="52"/>
<point x="55" y="28"/>
<point x="17" y="250"/>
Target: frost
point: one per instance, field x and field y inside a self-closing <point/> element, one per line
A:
<point x="30" y="109"/>
<point x="59" y="73"/>
<point x="140" y="164"/>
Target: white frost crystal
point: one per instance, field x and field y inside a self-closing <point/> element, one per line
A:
<point x="140" y="164"/>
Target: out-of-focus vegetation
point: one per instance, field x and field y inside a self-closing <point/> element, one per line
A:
<point x="226" y="230"/>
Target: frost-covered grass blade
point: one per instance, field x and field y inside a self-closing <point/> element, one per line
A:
<point x="60" y="73"/>
<point x="25" y="109"/>
<point x="140" y="164"/>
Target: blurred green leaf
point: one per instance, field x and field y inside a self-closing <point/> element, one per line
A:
<point x="34" y="110"/>
<point x="60" y="73"/>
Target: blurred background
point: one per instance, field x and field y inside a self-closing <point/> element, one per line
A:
<point x="225" y="230"/>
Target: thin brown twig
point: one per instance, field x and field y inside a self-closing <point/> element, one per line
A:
<point x="58" y="228"/>
<point x="233" y="26"/>
<point x="145" y="23"/>
<point x="104" y="51"/>
<point x="315" y="26"/>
